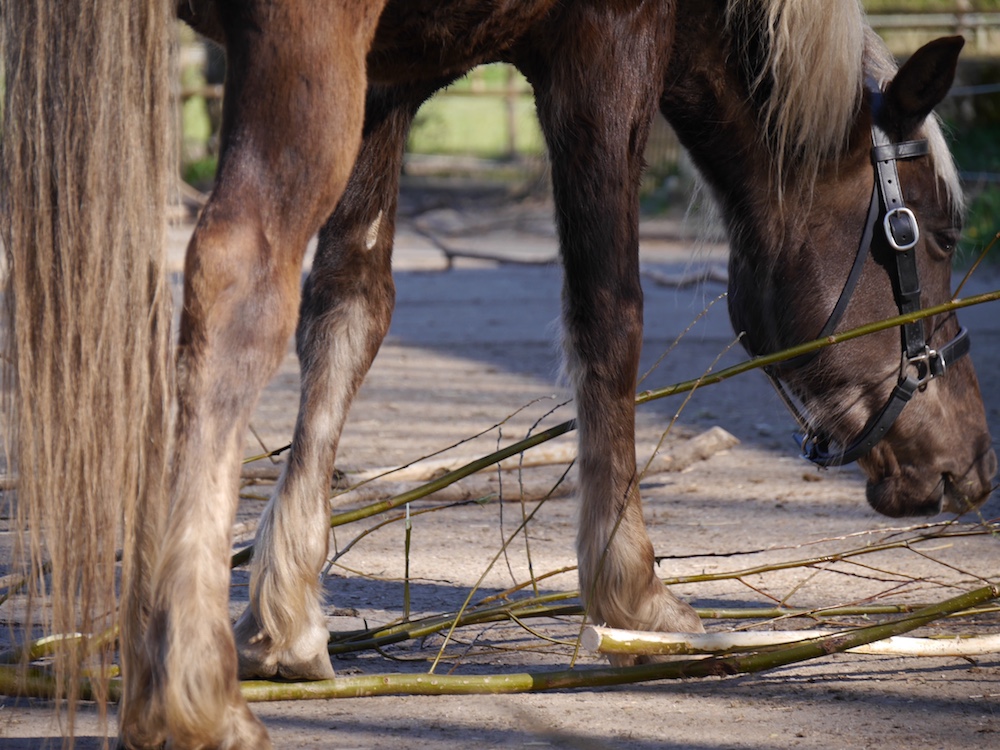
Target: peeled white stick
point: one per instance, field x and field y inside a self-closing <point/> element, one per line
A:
<point x="613" y="641"/>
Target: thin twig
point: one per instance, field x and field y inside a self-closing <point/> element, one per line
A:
<point x="975" y="265"/>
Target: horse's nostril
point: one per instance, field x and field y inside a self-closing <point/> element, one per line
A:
<point x="968" y="490"/>
<point x="958" y="496"/>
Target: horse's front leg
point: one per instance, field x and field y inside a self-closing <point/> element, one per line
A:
<point x="346" y="308"/>
<point x="291" y="131"/>
<point x="595" y="105"/>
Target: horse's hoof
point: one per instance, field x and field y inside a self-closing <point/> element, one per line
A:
<point x="255" y="666"/>
<point x="122" y="744"/>
<point x="245" y="731"/>
<point x="258" y="661"/>
<point x="662" y="612"/>
<point x="676" y="615"/>
<point x="259" y="658"/>
<point x="317" y="668"/>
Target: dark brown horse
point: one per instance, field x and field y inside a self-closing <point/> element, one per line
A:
<point x="770" y="97"/>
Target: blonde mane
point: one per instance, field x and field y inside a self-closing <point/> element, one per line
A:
<point x="805" y="71"/>
<point x="808" y="60"/>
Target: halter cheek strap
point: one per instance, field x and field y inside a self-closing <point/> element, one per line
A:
<point x="920" y="363"/>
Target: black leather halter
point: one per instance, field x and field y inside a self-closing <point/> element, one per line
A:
<point x="919" y="363"/>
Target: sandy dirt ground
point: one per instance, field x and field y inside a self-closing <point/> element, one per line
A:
<point x="472" y="346"/>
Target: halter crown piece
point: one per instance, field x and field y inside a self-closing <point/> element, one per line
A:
<point x="919" y="363"/>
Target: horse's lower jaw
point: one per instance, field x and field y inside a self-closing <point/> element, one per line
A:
<point x="892" y="498"/>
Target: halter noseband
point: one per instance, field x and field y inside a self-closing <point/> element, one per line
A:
<point x="920" y="363"/>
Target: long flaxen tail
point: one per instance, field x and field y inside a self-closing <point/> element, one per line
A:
<point x="86" y="156"/>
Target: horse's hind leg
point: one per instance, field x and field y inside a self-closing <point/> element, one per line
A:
<point x="346" y="307"/>
<point x="595" y="113"/>
<point x="292" y="127"/>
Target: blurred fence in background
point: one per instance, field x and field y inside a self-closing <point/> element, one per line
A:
<point x="484" y="125"/>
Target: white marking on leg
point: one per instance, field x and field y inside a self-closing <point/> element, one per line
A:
<point x="371" y="236"/>
<point x="292" y="538"/>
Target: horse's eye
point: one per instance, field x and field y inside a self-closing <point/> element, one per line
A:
<point x="947" y="240"/>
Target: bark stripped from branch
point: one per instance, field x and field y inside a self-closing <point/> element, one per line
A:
<point x="614" y="641"/>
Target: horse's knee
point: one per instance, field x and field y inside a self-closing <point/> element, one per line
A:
<point x="241" y="289"/>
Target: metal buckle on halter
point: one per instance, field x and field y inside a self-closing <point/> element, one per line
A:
<point x="807" y="445"/>
<point x="929" y="364"/>
<point x="901" y="223"/>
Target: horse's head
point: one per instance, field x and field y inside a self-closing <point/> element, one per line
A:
<point x="796" y="271"/>
<point x="937" y="453"/>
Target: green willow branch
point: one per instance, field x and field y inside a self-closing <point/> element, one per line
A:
<point x="342" y="519"/>
<point x="51" y="644"/>
<point x="796" y="351"/>
<point x="343" y="643"/>
<point x="468" y="599"/>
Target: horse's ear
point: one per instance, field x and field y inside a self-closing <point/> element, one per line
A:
<point x="921" y="84"/>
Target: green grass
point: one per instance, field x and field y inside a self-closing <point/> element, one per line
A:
<point x="977" y="149"/>
<point x="201" y="172"/>
<point x="477" y="125"/>
<point x="982" y="223"/>
<point x="474" y="126"/>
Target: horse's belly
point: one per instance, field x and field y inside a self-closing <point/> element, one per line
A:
<point x="431" y="39"/>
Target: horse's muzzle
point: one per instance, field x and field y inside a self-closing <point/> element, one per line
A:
<point x="912" y="492"/>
